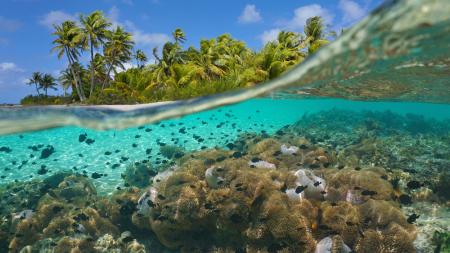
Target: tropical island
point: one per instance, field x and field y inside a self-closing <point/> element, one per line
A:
<point x="218" y="65"/>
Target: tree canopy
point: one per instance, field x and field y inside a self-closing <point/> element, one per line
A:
<point x="173" y="71"/>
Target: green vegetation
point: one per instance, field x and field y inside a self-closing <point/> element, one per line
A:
<point x="219" y="64"/>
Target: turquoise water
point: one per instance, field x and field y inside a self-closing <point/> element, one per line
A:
<point x="217" y="127"/>
<point x="347" y="152"/>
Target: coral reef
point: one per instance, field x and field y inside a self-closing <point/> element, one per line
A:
<point x="138" y="174"/>
<point x="66" y="215"/>
<point x="320" y="185"/>
<point x="209" y="203"/>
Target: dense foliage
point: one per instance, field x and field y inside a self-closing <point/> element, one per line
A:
<point x="219" y="64"/>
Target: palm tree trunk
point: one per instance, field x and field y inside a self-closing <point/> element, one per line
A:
<point x="37" y="89"/>
<point x="107" y="76"/>
<point x="92" y="69"/>
<point x="74" y="74"/>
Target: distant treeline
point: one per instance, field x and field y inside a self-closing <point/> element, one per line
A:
<point x="218" y="65"/>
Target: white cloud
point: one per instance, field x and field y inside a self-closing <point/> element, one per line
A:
<point x="270" y="35"/>
<point x="113" y="16"/>
<point x="351" y="11"/>
<point x="9" y="67"/>
<point x="303" y="13"/>
<point x="249" y="15"/>
<point x="150" y="38"/>
<point x="9" y="25"/>
<point x="55" y="18"/>
<point x="298" y="21"/>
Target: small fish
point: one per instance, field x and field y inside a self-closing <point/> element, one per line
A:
<point x="82" y="137"/>
<point x="414" y="184"/>
<point x="405" y="199"/>
<point x="317" y="183"/>
<point x="255" y="159"/>
<point x="300" y="188"/>
<point x="368" y="193"/>
<point x="361" y="232"/>
<point x="89" y="141"/>
<point x="96" y="175"/>
<point x="412" y="218"/>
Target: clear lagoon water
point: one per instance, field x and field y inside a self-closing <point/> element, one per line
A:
<point x="347" y="152"/>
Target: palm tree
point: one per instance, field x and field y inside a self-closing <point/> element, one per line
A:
<point x="315" y="34"/>
<point x="179" y="36"/>
<point x="94" y="27"/>
<point x="48" y="82"/>
<point x="36" y="79"/>
<point x="69" y="42"/>
<point x="99" y="67"/>
<point x="117" y="50"/>
<point x="66" y="80"/>
<point x="140" y="57"/>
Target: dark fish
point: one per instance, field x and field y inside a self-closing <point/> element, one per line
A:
<point x="42" y="170"/>
<point x="412" y="218"/>
<point x="277" y="153"/>
<point x="300" y="188"/>
<point x="90" y="141"/>
<point x="96" y="175"/>
<point x="82" y="137"/>
<point x="414" y="184"/>
<point x="5" y="149"/>
<point x="255" y="159"/>
<point x="368" y="193"/>
<point x="134" y="145"/>
<point x="81" y="217"/>
<point x="150" y="203"/>
<point x="46" y="152"/>
<point x="137" y="136"/>
<point x="108" y="153"/>
<point x="317" y="183"/>
<point x="361" y="232"/>
<point x="405" y="199"/>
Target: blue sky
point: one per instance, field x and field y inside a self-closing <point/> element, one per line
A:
<point x="26" y="26"/>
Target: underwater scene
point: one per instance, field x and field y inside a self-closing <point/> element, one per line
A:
<point x="347" y="152"/>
